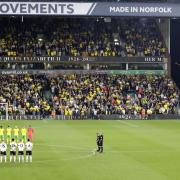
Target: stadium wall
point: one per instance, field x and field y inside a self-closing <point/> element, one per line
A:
<point x="100" y="117"/>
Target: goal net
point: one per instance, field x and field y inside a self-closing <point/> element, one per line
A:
<point x="3" y="111"/>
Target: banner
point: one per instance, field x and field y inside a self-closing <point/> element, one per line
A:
<point x="90" y="9"/>
<point x="106" y="59"/>
<point x="44" y="8"/>
<point x="56" y="72"/>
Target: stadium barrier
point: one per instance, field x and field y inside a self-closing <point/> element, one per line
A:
<point x="99" y="117"/>
<point x="60" y="72"/>
<point x="117" y="59"/>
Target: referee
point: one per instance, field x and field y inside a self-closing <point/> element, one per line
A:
<point x="99" y="141"/>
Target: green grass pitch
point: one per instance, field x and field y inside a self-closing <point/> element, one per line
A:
<point x="133" y="150"/>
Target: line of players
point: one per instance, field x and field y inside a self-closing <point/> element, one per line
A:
<point x="16" y="133"/>
<point x="20" y="146"/>
<point x="16" y="139"/>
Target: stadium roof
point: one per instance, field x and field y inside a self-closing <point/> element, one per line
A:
<point x="145" y="1"/>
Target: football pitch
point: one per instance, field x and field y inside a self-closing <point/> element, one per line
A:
<point x="133" y="150"/>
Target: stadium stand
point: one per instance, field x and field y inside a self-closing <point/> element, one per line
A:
<point x="81" y="37"/>
<point x="88" y="96"/>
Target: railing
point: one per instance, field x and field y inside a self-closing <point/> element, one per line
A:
<point x="98" y="117"/>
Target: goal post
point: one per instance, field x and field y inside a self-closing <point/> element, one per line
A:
<point x="4" y="106"/>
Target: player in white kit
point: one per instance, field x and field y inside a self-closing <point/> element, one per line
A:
<point x="21" y="148"/>
<point x="29" y="147"/>
<point x="13" y="147"/>
<point x="3" y="149"/>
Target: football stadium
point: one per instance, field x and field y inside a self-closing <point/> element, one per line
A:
<point x="89" y="90"/>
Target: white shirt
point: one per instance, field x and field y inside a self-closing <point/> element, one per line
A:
<point x="21" y="146"/>
<point x="13" y="146"/>
<point x="29" y="146"/>
<point x="95" y="112"/>
<point x="3" y="147"/>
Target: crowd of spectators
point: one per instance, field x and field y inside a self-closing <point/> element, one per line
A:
<point x="80" y="37"/>
<point x="76" y="96"/>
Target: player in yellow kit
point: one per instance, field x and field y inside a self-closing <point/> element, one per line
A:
<point x="24" y="134"/>
<point x="8" y="134"/>
<point x="16" y="133"/>
<point x="1" y="133"/>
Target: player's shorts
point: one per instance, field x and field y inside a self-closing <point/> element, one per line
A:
<point x="16" y="136"/>
<point x="3" y="153"/>
<point x="23" y="136"/>
<point x="12" y="153"/>
<point x="9" y="136"/>
<point x="30" y="135"/>
<point x="29" y="153"/>
<point x="20" y="153"/>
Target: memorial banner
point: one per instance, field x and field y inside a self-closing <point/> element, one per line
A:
<point x="105" y="59"/>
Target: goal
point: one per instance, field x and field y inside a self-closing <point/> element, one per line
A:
<point x="4" y="111"/>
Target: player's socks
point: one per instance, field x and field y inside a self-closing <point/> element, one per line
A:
<point x="10" y="158"/>
<point x="22" y="158"/>
<point x="5" y="159"/>
<point x="14" y="158"/>
<point x="30" y="158"/>
<point x="101" y="149"/>
<point x="98" y="149"/>
<point x="19" y="159"/>
<point x="26" y="158"/>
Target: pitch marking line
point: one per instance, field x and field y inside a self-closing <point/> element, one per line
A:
<point x="111" y="151"/>
<point x="80" y="149"/>
<point x="91" y="155"/>
<point x="128" y="124"/>
<point x="87" y="148"/>
<point x="65" y="159"/>
<point x="66" y="146"/>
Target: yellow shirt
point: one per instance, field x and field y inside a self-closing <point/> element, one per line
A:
<point x="24" y="131"/>
<point x="70" y="112"/>
<point x="9" y="130"/>
<point x="66" y="112"/>
<point x="1" y="131"/>
<point x="16" y="131"/>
